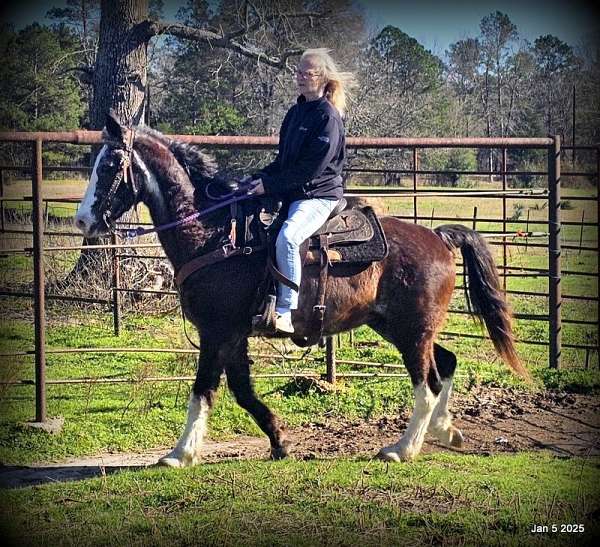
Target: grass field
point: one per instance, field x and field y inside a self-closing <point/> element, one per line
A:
<point x="441" y="498"/>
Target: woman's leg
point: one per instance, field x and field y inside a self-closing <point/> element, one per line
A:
<point x="305" y="217"/>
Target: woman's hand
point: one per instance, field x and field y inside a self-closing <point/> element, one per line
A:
<point x="256" y="188"/>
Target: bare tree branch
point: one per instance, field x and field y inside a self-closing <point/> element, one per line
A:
<point x="147" y="29"/>
<point x="87" y="71"/>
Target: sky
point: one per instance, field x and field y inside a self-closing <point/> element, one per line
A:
<point x="434" y="23"/>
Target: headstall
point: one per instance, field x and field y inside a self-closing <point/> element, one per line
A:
<point x="125" y="172"/>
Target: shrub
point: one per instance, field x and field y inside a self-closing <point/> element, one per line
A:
<point x="530" y="181"/>
<point x="455" y="159"/>
<point x="518" y="209"/>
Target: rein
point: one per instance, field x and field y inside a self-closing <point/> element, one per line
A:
<point x="131" y="233"/>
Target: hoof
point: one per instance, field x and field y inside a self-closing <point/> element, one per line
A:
<point x="279" y="453"/>
<point x="168" y="461"/>
<point x="451" y="437"/>
<point x="394" y="453"/>
<point x="456" y="438"/>
<point x="173" y="459"/>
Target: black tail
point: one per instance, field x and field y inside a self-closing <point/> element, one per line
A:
<point x="482" y="290"/>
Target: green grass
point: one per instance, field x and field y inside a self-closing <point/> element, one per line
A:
<point x="142" y="414"/>
<point x="439" y="499"/>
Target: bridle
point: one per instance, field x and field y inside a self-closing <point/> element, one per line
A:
<point x="124" y="173"/>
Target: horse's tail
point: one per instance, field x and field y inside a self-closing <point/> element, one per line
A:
<point x="483" y="292"/>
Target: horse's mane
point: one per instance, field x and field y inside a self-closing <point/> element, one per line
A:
<point x="201" y="167"/>
<point x="197" y="163"/>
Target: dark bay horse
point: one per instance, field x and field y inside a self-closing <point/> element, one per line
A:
<point x="404" y="298"/>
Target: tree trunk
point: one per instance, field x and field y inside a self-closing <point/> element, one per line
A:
<point x="119" y="79"/>
<point x="119" y="83"/>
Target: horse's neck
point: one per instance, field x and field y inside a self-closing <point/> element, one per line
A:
<point x="169" y="196"/>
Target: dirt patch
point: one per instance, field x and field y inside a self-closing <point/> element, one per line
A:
<point x="493" y="420"/>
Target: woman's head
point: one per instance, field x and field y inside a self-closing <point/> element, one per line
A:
<point x="318" y="75"/>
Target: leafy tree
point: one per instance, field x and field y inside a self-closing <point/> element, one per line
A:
<point x="453" y="159"/>
<point x="498" y="34"/>
<point x="36" y="94"/>
<point x="83" y="18"/>
<point x="464" y="79"/>
<point x="556" y="69"/>
<point x="588" y="91"/>
<point x="398" y="75"/>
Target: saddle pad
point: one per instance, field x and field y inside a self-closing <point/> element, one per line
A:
<point x="351" y="225"/>
<point x="374" y="249"/>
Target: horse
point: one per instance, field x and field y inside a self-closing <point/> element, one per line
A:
<point x="404" y="297"/>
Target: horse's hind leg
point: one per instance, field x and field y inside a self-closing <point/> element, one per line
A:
<point x="237" y="368"/>
<point x="440" y="425"/>
<point x="420" y="364"/>
<point x="187" y="450"/>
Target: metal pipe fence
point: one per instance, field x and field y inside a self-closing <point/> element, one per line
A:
<point x="507" y="237"/>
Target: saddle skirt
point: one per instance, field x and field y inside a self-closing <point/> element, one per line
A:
<point x="353" y="235"/>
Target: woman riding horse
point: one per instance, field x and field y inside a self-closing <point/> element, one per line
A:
<point x="308" y="169"/>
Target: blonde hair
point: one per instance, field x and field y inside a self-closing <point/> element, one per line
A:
<point x="338" y="83"/>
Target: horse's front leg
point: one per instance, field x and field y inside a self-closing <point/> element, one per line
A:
<point x="188" y="448"/>
<point x="237" y="368"/>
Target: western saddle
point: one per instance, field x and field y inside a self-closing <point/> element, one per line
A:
<point x="350" y="235"/>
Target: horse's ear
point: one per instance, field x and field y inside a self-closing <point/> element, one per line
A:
<point x="114" y="127"/>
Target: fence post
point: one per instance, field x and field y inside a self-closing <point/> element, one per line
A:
<point x="598" y="228"/>
<point x="330" y="359"/>
<point x="2" y="200"/>
<point x="554" y="251"/>
<point x="504" y="213"/>
<point x="415" y="162"/>
<point x="116" y="285"/>
<point x="39" y="303"/>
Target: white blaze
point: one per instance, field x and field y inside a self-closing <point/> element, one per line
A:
<point x="84" y="218"/>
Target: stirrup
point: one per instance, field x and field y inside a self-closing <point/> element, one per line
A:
<point x="265" y="323"/>
<point x="283" y="323"/>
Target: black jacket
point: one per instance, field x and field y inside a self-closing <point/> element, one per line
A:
<point x="312" y="153"/>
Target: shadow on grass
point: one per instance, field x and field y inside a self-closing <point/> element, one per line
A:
<point x="14" y="476"/>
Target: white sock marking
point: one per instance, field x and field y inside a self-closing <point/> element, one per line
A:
<point x="411" y="442"/>
<point x="188" y="447"/>
<point x="441" y="419"/>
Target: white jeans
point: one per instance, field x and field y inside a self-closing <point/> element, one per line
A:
<point x="305" y="217"/>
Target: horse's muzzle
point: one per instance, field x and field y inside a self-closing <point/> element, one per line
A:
<point x="90" y="227"/>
